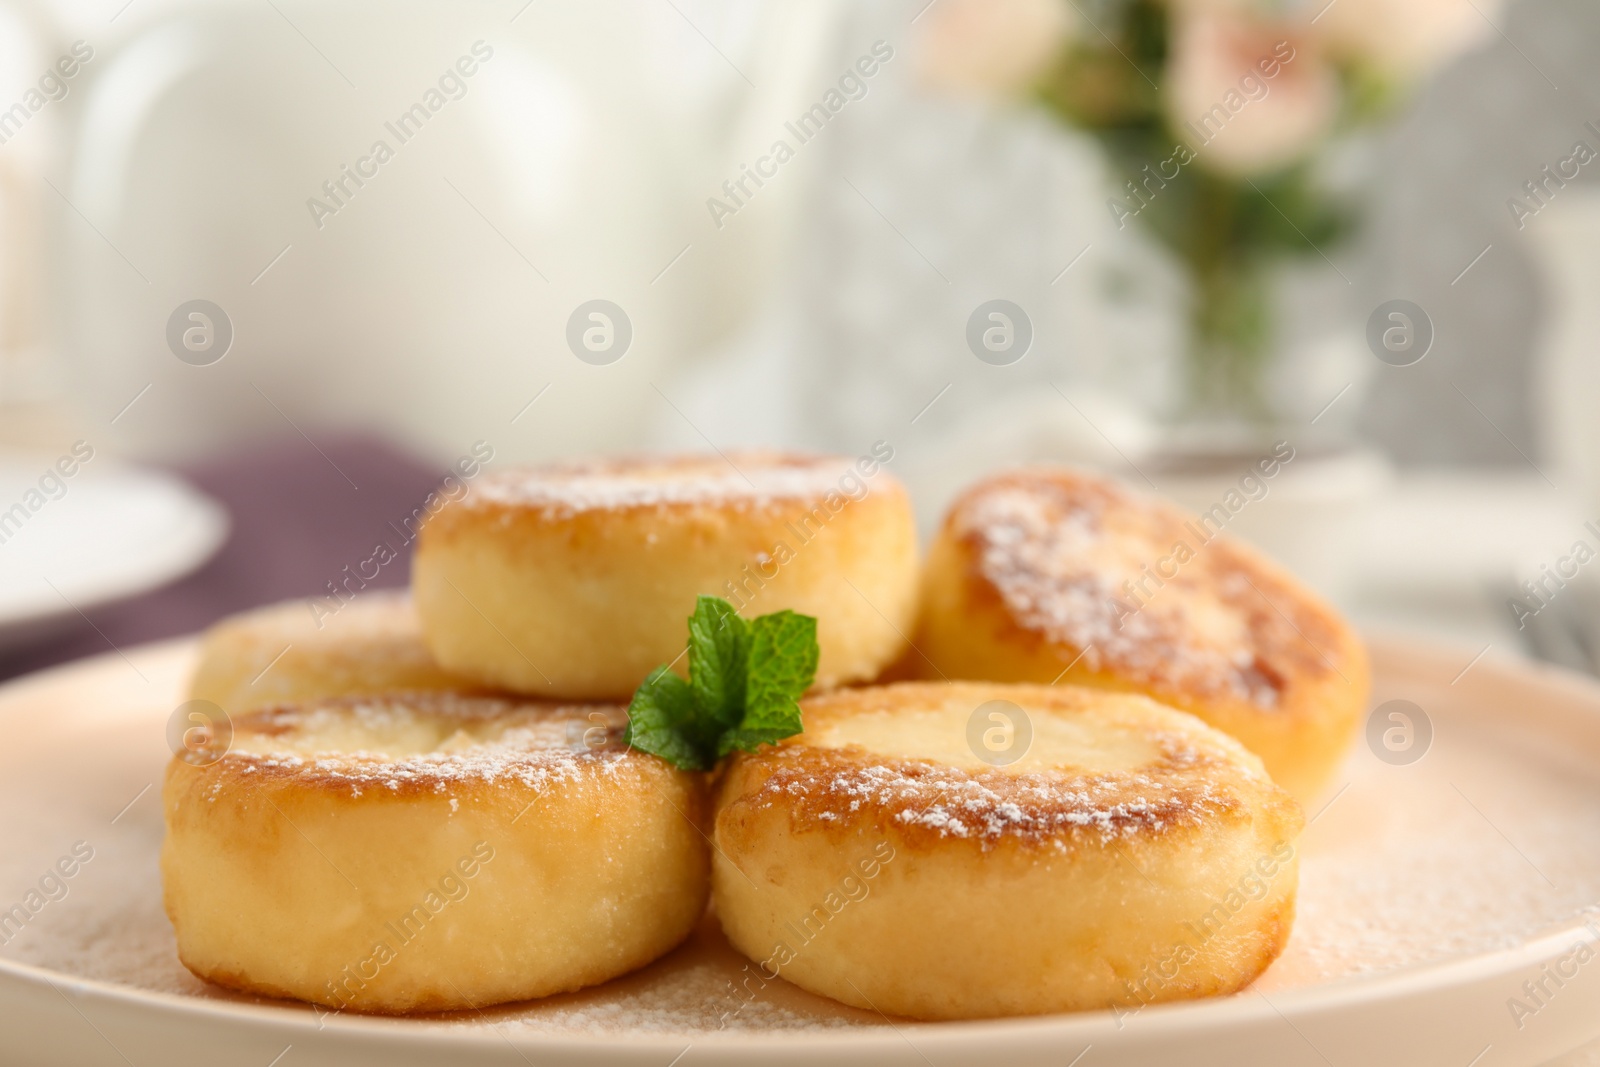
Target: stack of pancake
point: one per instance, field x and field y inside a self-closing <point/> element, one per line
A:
<point x="1030" y="780"/>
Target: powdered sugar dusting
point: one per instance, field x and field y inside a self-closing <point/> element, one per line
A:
<point x="1070" y="557"/>
<point x="740" y="479"/>
<point x="817" y="785"/>
<point x="429" y="741"/>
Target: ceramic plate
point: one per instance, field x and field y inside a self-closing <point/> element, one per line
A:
<point x="1442" y="918"/>
<point x="105" y="533"/>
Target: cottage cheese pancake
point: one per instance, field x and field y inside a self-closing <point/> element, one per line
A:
<point x="573" y="580"/>
<point x="295" y="651"/>
<point x="1049" y="575"/>
<point x="429" y="852"/>
<point x="947" y="851"/>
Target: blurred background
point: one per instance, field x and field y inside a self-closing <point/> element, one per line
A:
<point x="269" y="268"/>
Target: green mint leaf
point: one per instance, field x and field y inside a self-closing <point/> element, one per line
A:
<point x="782" y="665"/>
<point x="719" y="645"/>
<point x="661" y="719"/>
<point x="745" y="681"/>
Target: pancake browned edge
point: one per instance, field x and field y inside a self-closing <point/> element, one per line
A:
<point x="1049" y="574"/>
<point x="1128" y="854"/>
<point x="289" y="652"/>
<point x="429" y="852"/>
<point x="574" y="580"/>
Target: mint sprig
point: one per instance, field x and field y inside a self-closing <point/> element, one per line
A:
<point x="745" y="681"/>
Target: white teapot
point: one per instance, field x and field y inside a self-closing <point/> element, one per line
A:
<point x="394" y="216"/>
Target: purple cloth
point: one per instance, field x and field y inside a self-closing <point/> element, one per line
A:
<point x="299" y="517"/>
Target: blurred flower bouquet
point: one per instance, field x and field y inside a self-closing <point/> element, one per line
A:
<point x="1215" y="116"/>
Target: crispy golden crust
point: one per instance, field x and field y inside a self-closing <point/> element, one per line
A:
<point x="929" y="802"/>
<point x="446" y="740"/>
<point x="574" y="581"/>
<point x="422" y="852"/>
<point x="883" y="794"/>
<point x="300" y="650"/>
<point x="1047" y="574"/>
<point x="881" y="860"/>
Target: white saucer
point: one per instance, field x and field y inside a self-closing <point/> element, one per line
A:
<point x="104" y="534"/>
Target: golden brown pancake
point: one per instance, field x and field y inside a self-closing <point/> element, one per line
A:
<point x="915" y="854"/>
<point x="1049" y="574"/>
<point x="287" y="652"/>
<point x="429" y="852"/>
<point x="574" y="580"/>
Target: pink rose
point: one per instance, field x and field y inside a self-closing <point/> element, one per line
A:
<point x="1405" y="38"/>
<point x="1247" y="95"/>
<point x="992" y="47"/>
